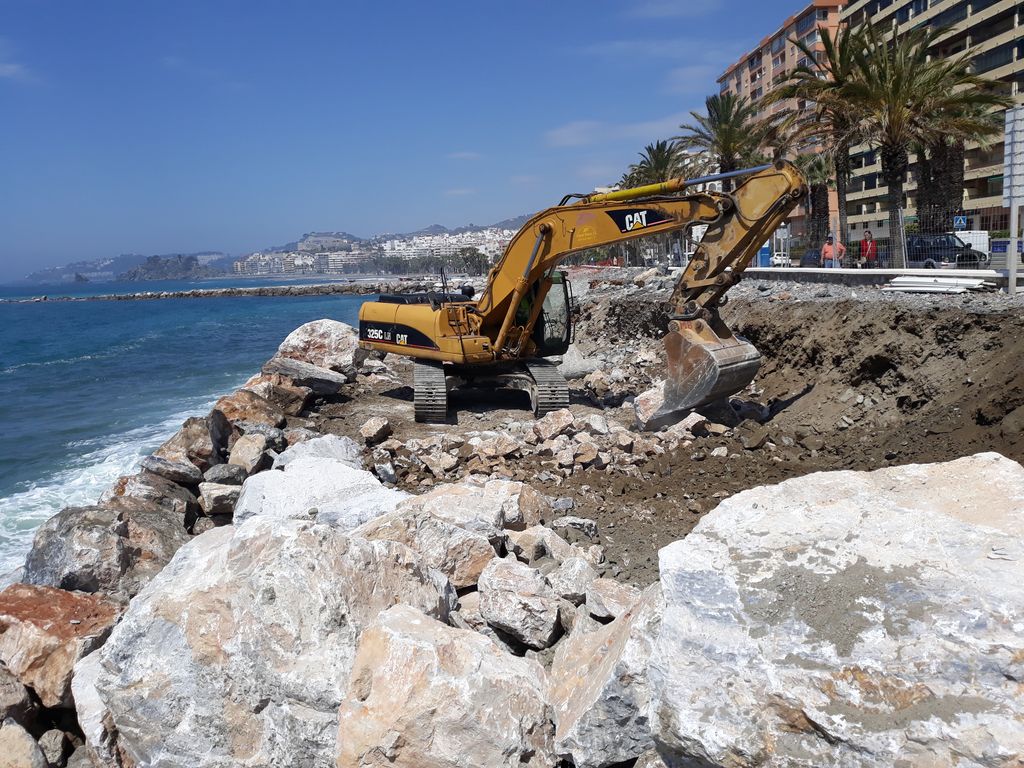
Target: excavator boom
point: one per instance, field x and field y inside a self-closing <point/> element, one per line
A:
<point x="518" y="319"/>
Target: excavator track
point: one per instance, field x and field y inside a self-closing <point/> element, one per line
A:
<point x="430" y="392"/>
<point x="550" y="391"/>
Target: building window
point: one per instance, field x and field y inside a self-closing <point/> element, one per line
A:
<point x="778" y="43"/>
<point x="803" y="26"/>
<point x="993" y="59"/>
<point x="949" y="17"/>
<point x="917" y="7"/>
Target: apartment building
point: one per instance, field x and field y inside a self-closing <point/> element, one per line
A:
<point x="761" y="70"/>
<point x="992" y="31"/>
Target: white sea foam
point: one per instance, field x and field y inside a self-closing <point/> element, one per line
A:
<point x="91" y="468"/>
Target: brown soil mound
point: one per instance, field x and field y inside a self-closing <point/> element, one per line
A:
<point x="844" y="384"/>
<point x="941" y="383"/>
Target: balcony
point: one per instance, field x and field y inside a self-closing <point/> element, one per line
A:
<point x="990" y="201"/>
<point x="982" y="171"/>
<point x="993" y="59"/>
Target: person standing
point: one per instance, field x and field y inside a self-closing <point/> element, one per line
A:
<point x="831" y="253"/>
<point x="868" y="251"/>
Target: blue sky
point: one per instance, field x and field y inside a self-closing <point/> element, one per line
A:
<point x="156" y="127"/>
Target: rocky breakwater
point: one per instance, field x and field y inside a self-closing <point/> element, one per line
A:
<point x="357" y="288"/>
<point x="256" y="596"/>
<point x="839" y="619"/>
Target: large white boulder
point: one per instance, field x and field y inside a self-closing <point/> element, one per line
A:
<point x="324" y="343"/>
<point x="426" y="695"/>
<point x="517" y="599"/>
<point x="239" y="651"/>
<point x="599" y="688"/>
<point x="328" y="490"/>
<point x="459" y="554"/>
<point x="18" y="749"/>
<point x="848" y="618"/>
<point x="337" y="447"/>
<point x="486" y="507"/>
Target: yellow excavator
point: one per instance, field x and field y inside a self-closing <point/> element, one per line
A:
<point x="523" y="314"/>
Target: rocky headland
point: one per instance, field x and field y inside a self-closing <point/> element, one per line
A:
<point x="307" y="577"/>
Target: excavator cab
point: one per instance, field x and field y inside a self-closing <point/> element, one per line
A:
<point x="553" y="332"/>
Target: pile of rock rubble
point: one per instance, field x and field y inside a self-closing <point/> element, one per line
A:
<point x="256" y="596"/>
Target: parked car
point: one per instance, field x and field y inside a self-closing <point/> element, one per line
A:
<point x="781" y="259"/>
<point x="943" y="251"/>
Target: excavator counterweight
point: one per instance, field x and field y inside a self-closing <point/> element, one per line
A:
<point x="523" y="314"/>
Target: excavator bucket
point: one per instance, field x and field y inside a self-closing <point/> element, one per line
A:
<point x="706" y="362"/>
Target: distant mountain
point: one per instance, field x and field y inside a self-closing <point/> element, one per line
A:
<point x="96" y="271"/>
<point x="317" y="242"/>
<point x="112" y="268"/>
<point x="438" y="229"/>
<point x="135" y="266"/>
<point x="174" y="267"/>
<point x="515" y="223"/>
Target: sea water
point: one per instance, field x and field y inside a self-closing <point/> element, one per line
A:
<point x="89" y="388"/>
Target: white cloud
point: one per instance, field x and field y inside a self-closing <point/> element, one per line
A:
<point x="464" y="155"/>
<point x="700" y="62"/>
<point x="580" y="133"/>
<point x="598" y="173"/>
<point x="575" y="134"/>
<point x="460" y="192"/>
<point x="11" y="69"/>
<point x="694" y="78"/>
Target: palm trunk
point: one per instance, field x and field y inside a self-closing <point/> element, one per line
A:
<point x="927" y="188"/>
<point x="727" y="166"/>
<point x="954" y="202"/>
<point x="842" y="164"/>
<point x="894" y="171"/>
<point x="819" y="213"/>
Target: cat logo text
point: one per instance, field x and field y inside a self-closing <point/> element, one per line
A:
<point x="636" y="220"/>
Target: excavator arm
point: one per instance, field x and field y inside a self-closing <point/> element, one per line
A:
<point x="738" y="225"/>
<point x="705" y="360"/>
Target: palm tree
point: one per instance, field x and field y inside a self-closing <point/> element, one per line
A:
<point x="904" y="98"/>
<point x="659" y="161"/>
<point x="780" y="139"/>
<point x="940" y="171"/>
<point x="729" y="133"/>
<point x="818" y="170"/>
<point x="823" y="83"/>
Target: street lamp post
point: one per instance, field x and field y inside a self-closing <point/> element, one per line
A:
<point x="1013" y="186"/>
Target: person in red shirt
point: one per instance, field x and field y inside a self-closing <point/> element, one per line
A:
<point x="868" y="251"/>
<point x="832" y="254"/>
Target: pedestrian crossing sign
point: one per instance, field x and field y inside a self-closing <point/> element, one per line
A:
<point x="959" y="223"/>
